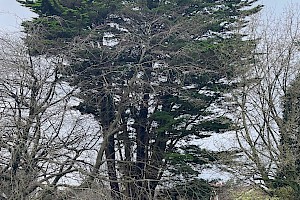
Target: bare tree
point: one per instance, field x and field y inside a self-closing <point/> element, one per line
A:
<point x="261" y="124"/>
<point x="43" y="144"/>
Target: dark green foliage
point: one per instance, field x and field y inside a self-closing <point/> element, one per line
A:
<point x="184" y="159"/>
<point x="195" y="189"/>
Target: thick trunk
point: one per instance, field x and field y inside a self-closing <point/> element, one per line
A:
<point x="142" y="141"/>
<point x="111" y="167"/>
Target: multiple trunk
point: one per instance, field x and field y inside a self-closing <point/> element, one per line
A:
<point x="140" y="174"/>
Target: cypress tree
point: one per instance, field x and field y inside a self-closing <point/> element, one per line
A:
<point x="149" y="72"/>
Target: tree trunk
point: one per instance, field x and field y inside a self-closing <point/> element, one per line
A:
<point x="156" y="162"/>
<point x="128" y="171"/>
<point x="111" y="167"/>
<point x="107" y="117"/>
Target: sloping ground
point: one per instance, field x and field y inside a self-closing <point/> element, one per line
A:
<point x="228" y="192"/>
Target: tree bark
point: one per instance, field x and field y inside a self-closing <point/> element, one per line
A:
<point x="107" y="117"/>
